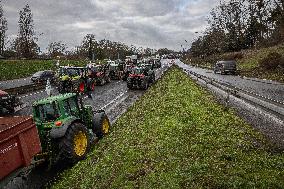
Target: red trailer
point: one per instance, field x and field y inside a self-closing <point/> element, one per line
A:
<point x="19" y="143"/>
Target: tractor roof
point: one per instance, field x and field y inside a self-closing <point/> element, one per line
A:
<point x="54" y="98"/>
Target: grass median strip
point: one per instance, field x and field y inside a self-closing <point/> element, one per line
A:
<point x="178" y="136"/>
<point x="14" y="69"/>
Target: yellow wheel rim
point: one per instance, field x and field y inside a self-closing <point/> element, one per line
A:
<point x="105" y="126"/>
<point x="80" y="143"/>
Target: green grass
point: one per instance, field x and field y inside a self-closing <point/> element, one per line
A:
<point x="14" y="69"/>
<point x="249" y="65"/>
<point x="178" y="136"/>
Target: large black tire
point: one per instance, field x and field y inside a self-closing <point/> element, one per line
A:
<point x="129" y="85"/>
<point x="71" y="151"/>
<point x="144" y="84"/>
<point x="108" y="79"/>
<point x="102" y="81"/>
<point x="101" y="124"/>
<point x="153" y="78"/>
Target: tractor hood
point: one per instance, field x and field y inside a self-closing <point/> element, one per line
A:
<point x="64" y="77"/>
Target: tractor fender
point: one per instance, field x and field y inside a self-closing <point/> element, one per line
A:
<point x="58" y="132"/>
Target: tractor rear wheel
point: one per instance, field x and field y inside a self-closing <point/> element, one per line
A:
<point x="144" y="84"/>
<point x="129" y="85"/>
<point x="75" y="144"/>
<point x="108" y="79"/>
<point x="101" y="124"/>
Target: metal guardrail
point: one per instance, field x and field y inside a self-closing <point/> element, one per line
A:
<point x="273" y="106"/>
<point x="25" y="89"/>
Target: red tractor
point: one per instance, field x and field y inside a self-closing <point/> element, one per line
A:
<point x="100" y="73"/>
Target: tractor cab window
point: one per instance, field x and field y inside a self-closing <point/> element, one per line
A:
<point x="47" y="112"/>
<point x="69" y="71"/>
<point x="137" y="71"/>
<point x="71" y="106"/>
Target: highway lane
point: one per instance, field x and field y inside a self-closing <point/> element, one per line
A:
<point x="269" y="89"/>
<point x="15" y="83"/>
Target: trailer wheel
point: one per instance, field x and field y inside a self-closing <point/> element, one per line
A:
<point x="75" y="144"/>
<point x="101" y="124"/>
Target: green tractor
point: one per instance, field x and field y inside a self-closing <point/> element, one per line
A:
<point x="67" y="127"/>
<point x="75" y="80"/>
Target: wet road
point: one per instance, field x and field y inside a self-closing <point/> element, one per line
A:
<point x="15" y="83"/>
<point x="269" y="89"/>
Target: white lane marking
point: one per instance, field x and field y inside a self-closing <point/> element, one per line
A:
<point x="116" y="103"/>
<point x="119" y="96"/>
<point x="31" y="94"/>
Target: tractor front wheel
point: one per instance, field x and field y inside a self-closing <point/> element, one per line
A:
<point x="101" y="124"/>
<point x="75" y="144"/>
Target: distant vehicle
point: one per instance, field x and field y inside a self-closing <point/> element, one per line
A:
<point x="126" y="71"/>
<point x="115" y="72"/>
<point x="100" y="73"/>
<point x="224" y="67"/>
<point x="140" y="78"/>
<point x="74" y="80"/>
<point x="43" y="76"/>
<point x="171" y="56"/>
<point x="157" y="63"/>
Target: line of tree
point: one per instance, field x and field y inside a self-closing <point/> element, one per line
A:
<point x="241" y="24"/>
<point x="25" y="45"/>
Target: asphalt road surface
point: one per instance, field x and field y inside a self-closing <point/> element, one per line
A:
<point x="15" y="83"/>
<point x="269" y="89"/>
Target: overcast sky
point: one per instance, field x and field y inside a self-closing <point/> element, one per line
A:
<point x="152" y="23"/>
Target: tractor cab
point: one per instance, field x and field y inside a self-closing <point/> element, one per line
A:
<point x="54" y="111"/>
<point x="75" y="80"/>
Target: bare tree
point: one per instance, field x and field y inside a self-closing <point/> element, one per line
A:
<point x="25" y="42"/>
<point x="56" y="49"/>
<point x="3" y="29"/>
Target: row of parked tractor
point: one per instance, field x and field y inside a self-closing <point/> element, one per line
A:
<point x="62" y="128"/>
<point x="138" y="74"/>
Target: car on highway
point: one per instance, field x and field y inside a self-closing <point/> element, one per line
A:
<point x="225" y="67"/>
<point x="43" y="76"/>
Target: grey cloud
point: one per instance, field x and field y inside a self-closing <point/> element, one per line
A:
<point x="155" y="23"/>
